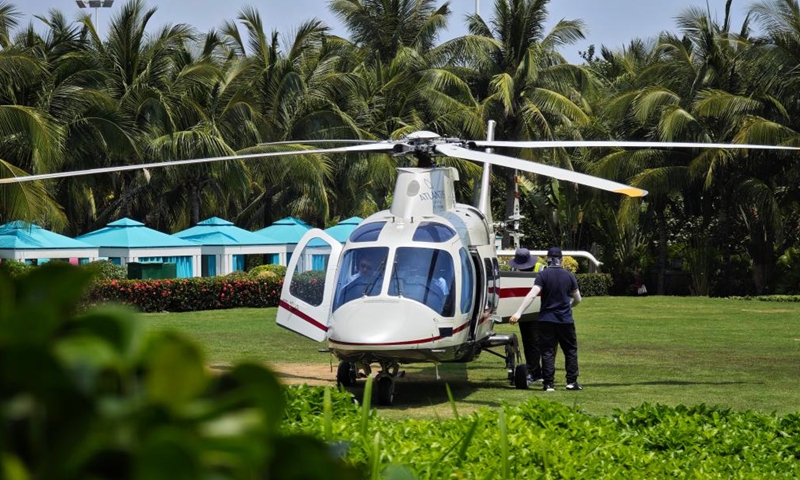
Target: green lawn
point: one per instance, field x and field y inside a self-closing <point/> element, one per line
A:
<point x="668" y="350"/>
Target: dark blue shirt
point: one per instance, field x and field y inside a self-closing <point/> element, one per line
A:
<point x="557" y="286"/>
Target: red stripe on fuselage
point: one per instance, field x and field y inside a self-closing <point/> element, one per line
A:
<point x="302" y="315"/>
<point x="515" y="292"/>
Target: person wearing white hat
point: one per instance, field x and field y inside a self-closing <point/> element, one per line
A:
<point x="529" y="322"/>
<point x="560" y="293"/>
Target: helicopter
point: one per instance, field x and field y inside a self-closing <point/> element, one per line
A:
<point x="432" y="291"/>
<point x="419" y="282"/>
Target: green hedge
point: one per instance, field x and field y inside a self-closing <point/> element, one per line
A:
<point x="771" y="298"/>
<point x="594" y="284"/>
<point x="187" y="294"/>
<point x="546" y="439"/>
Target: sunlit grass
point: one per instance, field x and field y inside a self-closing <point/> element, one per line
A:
<point x="669" y="350"/>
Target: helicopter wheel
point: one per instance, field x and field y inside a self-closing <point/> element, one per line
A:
<point x="511" y="364"/>
<point x="385" y="390"/>
<point x="346" y="374"/>
<point x="521" y="377"/>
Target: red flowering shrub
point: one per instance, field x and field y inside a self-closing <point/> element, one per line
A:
<point x="309" y="286"/>
<point x="187" y="294"/>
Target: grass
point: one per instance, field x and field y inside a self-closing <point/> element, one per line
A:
<point x="738" y="354"/>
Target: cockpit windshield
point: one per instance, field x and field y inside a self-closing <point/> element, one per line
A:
<point x="425" y="275"/>
<point x="360" y="274"/>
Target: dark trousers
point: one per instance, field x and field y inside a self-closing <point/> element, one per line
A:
<point x="529" y="332"/>
<point x="555" y="334"/>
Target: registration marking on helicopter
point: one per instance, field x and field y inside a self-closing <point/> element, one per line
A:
<point x="294" y="311"/>
<point x="407" y="342"/>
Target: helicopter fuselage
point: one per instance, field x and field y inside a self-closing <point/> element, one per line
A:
<point x="416" y="283"/>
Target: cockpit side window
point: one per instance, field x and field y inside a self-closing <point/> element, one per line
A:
<point x="361" y="274"/>
<point x="367" y="233"/>
<point x="433" y="232"/>
<point x="425" y="275"/>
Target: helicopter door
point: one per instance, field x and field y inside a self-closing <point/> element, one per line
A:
<point x="479" y="295"/>
<point x="308" y="287"/>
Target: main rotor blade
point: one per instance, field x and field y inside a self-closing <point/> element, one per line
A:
<point x="622" y="144"/>
<point x="540" y="169"/>
<point x="313" y="142"/>
<point x="382" y="147"/>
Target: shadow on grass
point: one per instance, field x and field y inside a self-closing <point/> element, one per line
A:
<point x="668" y="382"/>
<point x="419" y="387"/>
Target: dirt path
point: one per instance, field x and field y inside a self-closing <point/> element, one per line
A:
<point x="308" y="373"/>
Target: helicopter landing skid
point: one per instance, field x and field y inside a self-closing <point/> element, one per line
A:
<point x="385" y="382"/>
<point x="516" y="369"/>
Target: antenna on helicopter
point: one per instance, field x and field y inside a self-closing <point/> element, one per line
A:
<point x="482" y="203"/>
<point x="516" y="217"/>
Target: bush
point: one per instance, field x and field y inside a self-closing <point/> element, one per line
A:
<point x="92" y="396"/>
<point x="268" y="271"/>
<point x="594" y="284"/>
<point x="309" y="286"/>
<point x="187" y="294"/>
<point x="570" y="264"/>
<point x="14" y="268"/>
<point x="102" y="270"/>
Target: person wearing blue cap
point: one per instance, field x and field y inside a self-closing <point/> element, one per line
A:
<point x="560" y="293"/>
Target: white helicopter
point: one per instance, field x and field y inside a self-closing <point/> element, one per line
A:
<point x="430" y="290"/>
<point x="419" y="282"/>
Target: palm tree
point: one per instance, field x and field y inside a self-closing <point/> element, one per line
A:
<point x="384" y="27"/>
<point x="520" y="78"/>
<point x="30" y="140"/>
<point x="294" y="95"/>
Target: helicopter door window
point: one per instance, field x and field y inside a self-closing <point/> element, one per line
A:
<point x="492" y="286"/>
<point x="433" y="232"/>
<point x="308" y="280"/>
<point x="367" y="233"/>
<point x="467" y="281"/>
<point x="360" y="274"/>
<point x="425" y="275"/>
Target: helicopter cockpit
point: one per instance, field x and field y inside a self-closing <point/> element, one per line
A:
<point x="421" y="273"/>
<point x="425" y="275"/>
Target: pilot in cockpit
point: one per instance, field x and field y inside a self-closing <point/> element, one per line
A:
<point x="363" y="281"/>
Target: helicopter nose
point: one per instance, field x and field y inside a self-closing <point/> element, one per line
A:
<point x="376" y="322"/>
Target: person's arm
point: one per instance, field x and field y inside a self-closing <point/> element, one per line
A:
<point x="526" y="302"/>
<point x="576" y="298"/>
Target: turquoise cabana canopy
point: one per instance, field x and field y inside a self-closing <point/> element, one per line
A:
<point x="224" y="246"/>
<point x="342" y="230"/>
<point x="319" y="250"/>
<point x="287" y="231"/>
<point x="127" y="240"/>
<point x="24" y="241"/>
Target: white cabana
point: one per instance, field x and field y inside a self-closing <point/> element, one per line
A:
<point x="28" y="242"/>
<point x="224" y="246"/>
<point x="127" y="241"/>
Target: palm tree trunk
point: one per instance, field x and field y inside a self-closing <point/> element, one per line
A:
<point x="761" y="248"/>
<point x="194" y="203"/>
<point x="661" y="225"/>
